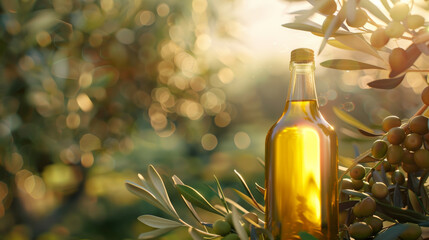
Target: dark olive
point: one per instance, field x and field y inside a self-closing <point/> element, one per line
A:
<point x="419" y="124"/>
<point x="395" y="153"/>
<point x="396" y="135"/>
<point x="379" y="149"/>
<point x="413" y="141"/>
<point x="391" y="122"/>
<point x="421" y="158"/>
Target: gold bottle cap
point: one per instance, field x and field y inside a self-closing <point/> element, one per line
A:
<point x="302" y="55"/>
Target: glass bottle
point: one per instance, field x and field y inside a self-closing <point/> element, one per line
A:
<point x="301" y="162"/>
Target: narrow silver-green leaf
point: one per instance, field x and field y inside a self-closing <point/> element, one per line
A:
<point x="333" y="27"/>
<point x="242" y="234"/>
<point x="355" y="193"/>
<point x="158" y="222"/>
<point x="358" y="42"/>
<point x="157" y="182"/>
<point x="221" y="195"/>
<point x="191" y="208"/>
<point x="236" y="205"/>
<point x="155" y="233"/>
<point x="252" y="203"/>
<point x="145" y="195"/>
<point x="260" y="189"/>
<point x="351" y="120"/>
<point x="194" y="234"/>
<point x="374" y="10"/>
<point x="415" y="202"/>
<point x="196" y="198"/>
<point x="348" y="64"/>
<point x="248" y="190"/>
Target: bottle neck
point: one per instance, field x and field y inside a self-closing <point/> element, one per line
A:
<point x="302" y="86"/>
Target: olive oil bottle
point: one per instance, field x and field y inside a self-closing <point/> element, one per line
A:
<point x="301" y="162"/>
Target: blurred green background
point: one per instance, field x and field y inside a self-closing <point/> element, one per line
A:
<point x="92" y="92"/>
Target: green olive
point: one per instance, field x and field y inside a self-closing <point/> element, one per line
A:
<point x="379" y="149"/>
<point x="398" y="177"/>
<point x="391" y="122"/>
<point x="375" y="222"/>
<point x="364" y="208"/>
<point x="425" y="96"/>
<point x="419" y="124"/>
<point x="395" y="29"/>
<point x="413" y="232"/>
<point x="379" y="39"/>
<point x="413" y="141"/>
<point x="421" y="158"/>
<point x="221" y="227"/>
<point x="395" y="153"/>
<point x="379" y="190"/>
<point x="396" y="135"/>
<point x="231" y="236"/>
<point x="360" y="18"/>
<point x="415" y="21"/>
<point x="357" y="172"/>
<point x="398" y="59"/>
<point x="328" y="8"/>
<point x="399" y="11"/>
<point x="360" y="230"/>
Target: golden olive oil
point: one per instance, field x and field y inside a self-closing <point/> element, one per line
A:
<point x="301" y="164"/>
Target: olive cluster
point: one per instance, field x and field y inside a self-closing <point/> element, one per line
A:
<point x="363" y="223"/>
<point x="402" y="21"/>
<point x="406" y="146"/>
<point x="224" y="227"/>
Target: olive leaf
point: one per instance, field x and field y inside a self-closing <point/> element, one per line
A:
<point x="358" y="42"/>
<point x="157" y="182"/>
<point x="155" y="233"/>
<point x="313" y="28"/>
<point x="392" y="233"/>
<point x="355" y="193"/>
<point x="260" y="189"/>
<point x="338" y="44"/>
<point x="159" y="222"/>
<point x="250" y="201"/>
<point x="386" y="4"/>
<point x="332" y="28"/>
<point x="196" y="198"/>
<point x="146" y="195"/>
<point x="306" y="236"/>
<point x="221" y="195"/>
<point x="242" y="234"/>
<point x="260" y="161"/>
<point x="346" y="205"/>
<point x="248" y="191"/>
<point x="236" y="205"/>
<point x="415" y="202"/>
<point x="401" y="215"/>
<point x="176" y="180"/>
<point x="386" y="83"/>
<point x="194" y="234"/>
<point x="397" y="196"/>
<point x="351" y="120"/>
<point x="374" y="10"/>
<point x="348" y="64"/>
<point x="365" y="133"/>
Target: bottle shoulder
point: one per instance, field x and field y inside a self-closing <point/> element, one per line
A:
<point x="287" y="121"/>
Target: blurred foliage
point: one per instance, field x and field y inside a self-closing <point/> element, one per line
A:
<point x="84" y="83"/>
